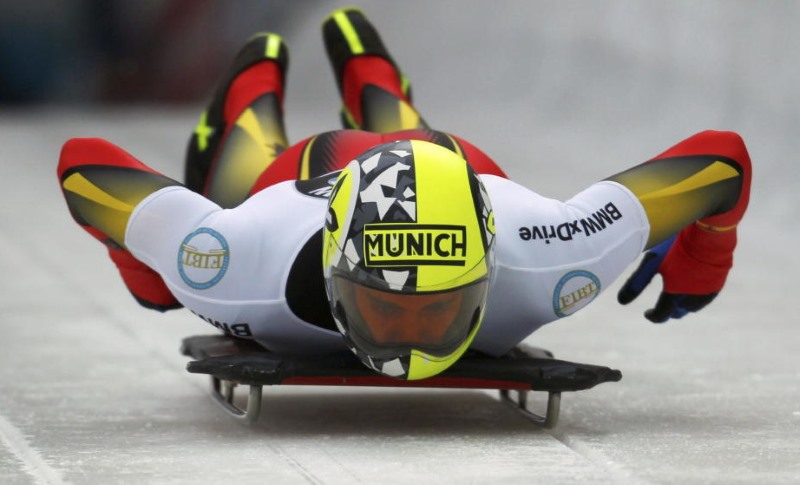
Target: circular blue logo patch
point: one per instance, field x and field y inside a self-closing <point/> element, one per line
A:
<point x="574" y="291"/>
<point x="203" y="258"/>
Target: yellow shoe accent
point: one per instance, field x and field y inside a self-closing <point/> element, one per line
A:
<point x="273" y="46"/>
<point x="203" y="131"/>
<point x="348" y="118"/>
<point x="349" y="32"/>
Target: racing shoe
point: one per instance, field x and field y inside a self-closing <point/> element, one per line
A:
<point x="258" y="69"/>
<point x="375" y="92"/>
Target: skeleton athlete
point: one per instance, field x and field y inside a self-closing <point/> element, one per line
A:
<point x="405" y="244"/>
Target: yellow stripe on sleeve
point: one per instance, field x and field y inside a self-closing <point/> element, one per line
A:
<point x="716" y="172"/>
<point x="78" y="184"/>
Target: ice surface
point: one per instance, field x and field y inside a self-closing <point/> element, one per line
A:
<point x="93" y="389"/>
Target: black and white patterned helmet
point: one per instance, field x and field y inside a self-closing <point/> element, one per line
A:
<point x="408" y="254"/>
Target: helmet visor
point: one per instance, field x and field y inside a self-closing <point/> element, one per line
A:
<point x="385" y="322"/>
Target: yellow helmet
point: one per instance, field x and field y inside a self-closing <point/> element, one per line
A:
<point x="408" y="253"/>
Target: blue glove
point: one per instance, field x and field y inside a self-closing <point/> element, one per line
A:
<point x="669" y="305"/>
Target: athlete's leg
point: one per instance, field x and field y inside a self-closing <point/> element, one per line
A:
<point x="376" y="95"/>
<point x="242" y="131"/>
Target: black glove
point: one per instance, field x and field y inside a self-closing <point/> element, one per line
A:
<point x="669" y="305"/>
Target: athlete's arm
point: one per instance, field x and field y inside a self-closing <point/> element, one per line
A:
<point x="102" y="184"/>
<point x="694" y="195"/>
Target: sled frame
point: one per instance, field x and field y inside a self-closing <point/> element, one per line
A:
<point x="232" y="362"/>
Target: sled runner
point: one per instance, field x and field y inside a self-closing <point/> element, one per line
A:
<point x="231" y="362"/>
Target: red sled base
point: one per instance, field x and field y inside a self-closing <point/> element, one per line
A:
<point x="232" y="361"/>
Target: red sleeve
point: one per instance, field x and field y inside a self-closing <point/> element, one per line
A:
<point x="82" y="152"/>
<point x="102" y="184"/>
<point x="702" y="255"/>
<point x="726" y="144"/>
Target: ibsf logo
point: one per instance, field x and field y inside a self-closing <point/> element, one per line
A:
<point x="203" y="258"/>
<point x="387" y="245"/>
<point x="574" y="291"/>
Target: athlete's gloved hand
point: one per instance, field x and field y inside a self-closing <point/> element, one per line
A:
<point x="693" y="265"/>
